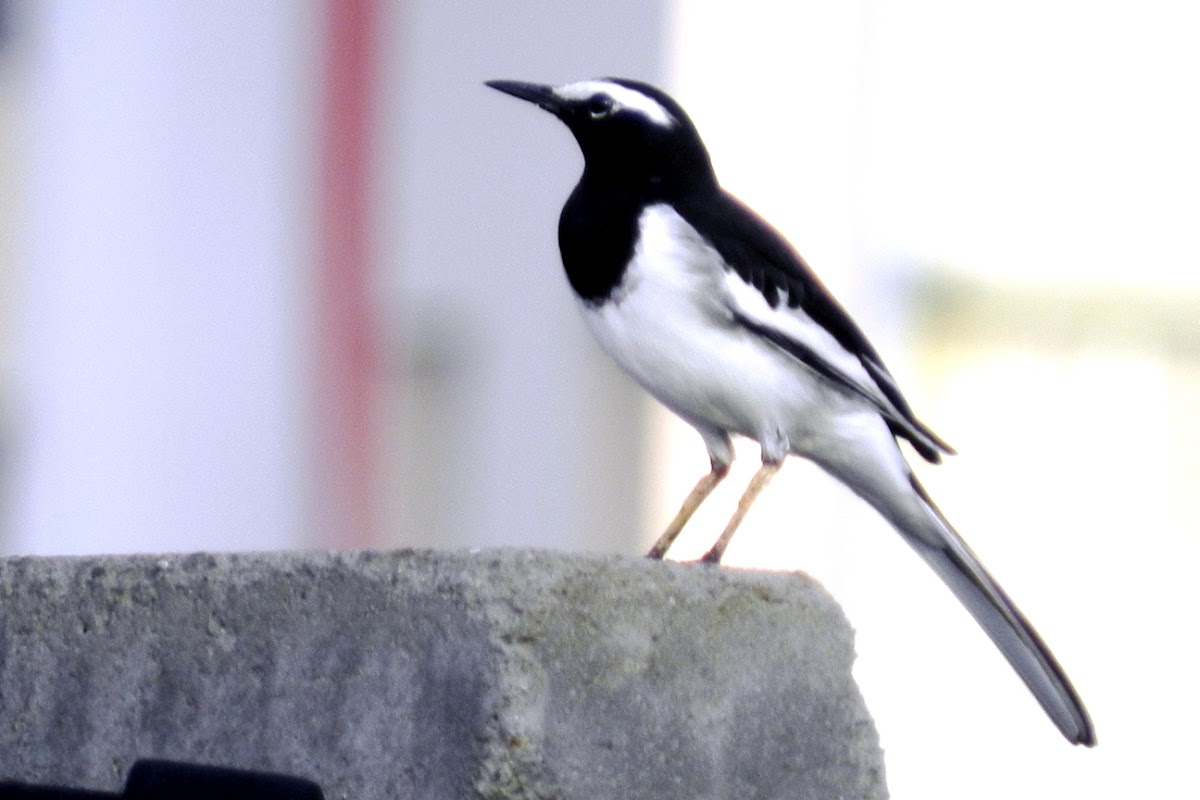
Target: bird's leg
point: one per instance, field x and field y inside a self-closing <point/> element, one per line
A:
<point x="702" y="489"/>
<point x="757" y="484"/>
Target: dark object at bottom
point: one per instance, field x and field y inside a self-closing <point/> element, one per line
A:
<point x="173" y="780"/>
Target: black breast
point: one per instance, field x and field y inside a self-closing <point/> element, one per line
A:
<point x="596" y="235"/>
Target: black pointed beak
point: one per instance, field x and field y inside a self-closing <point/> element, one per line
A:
<point x="541" y="96"/>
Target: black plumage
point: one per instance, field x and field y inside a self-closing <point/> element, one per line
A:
<point x="713" y="312"/>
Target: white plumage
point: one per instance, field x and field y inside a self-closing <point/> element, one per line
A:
<point x="671" y="325"/>
<point x="712" y="312"/>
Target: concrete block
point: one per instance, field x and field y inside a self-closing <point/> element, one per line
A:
<point x="498" y="675"/>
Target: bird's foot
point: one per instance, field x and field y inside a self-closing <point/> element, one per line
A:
<point x="713" y="556"/>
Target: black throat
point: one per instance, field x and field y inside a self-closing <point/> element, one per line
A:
<point x="597" y="232"/>
<point x="598" y="227"/>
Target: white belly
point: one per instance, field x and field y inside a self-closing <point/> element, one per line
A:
<point x="667" y="327"/>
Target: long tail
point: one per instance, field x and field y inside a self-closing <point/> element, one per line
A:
<point x="1003" y="622"/>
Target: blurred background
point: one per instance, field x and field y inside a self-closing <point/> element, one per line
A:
<point x="284" y="274"/>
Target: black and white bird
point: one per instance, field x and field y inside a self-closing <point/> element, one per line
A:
<point x="714" y="313"/>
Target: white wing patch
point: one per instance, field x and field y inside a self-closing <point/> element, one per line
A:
<point x="622" y="96"/>
<point x="746" y="301"/>
<point x="691" y="332"/>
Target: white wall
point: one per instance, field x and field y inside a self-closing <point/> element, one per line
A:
<point x="511" y="427"/>
<point x="156" y="395"/>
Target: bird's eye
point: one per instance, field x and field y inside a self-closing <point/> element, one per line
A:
<point x="599" y="106"/>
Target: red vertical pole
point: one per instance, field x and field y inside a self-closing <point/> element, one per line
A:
<point x="348" y="362"/>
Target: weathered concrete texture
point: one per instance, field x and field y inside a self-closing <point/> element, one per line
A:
<point x="434" y="675"/>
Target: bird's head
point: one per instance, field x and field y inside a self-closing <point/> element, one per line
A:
<point x="627" y="130"/>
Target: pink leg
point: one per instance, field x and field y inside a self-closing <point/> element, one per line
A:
<point x="697" y="496"/>
<point x="757" y="484"/>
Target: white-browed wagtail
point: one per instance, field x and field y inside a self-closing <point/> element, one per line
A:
<point x="714" y="313"/>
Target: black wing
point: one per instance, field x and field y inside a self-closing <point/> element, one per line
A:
<point x="764" y="259"/>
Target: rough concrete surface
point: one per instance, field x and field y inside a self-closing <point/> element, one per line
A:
<point x="503" y="674"/>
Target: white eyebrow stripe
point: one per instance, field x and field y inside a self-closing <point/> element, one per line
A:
<point x="623" y="96"/>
